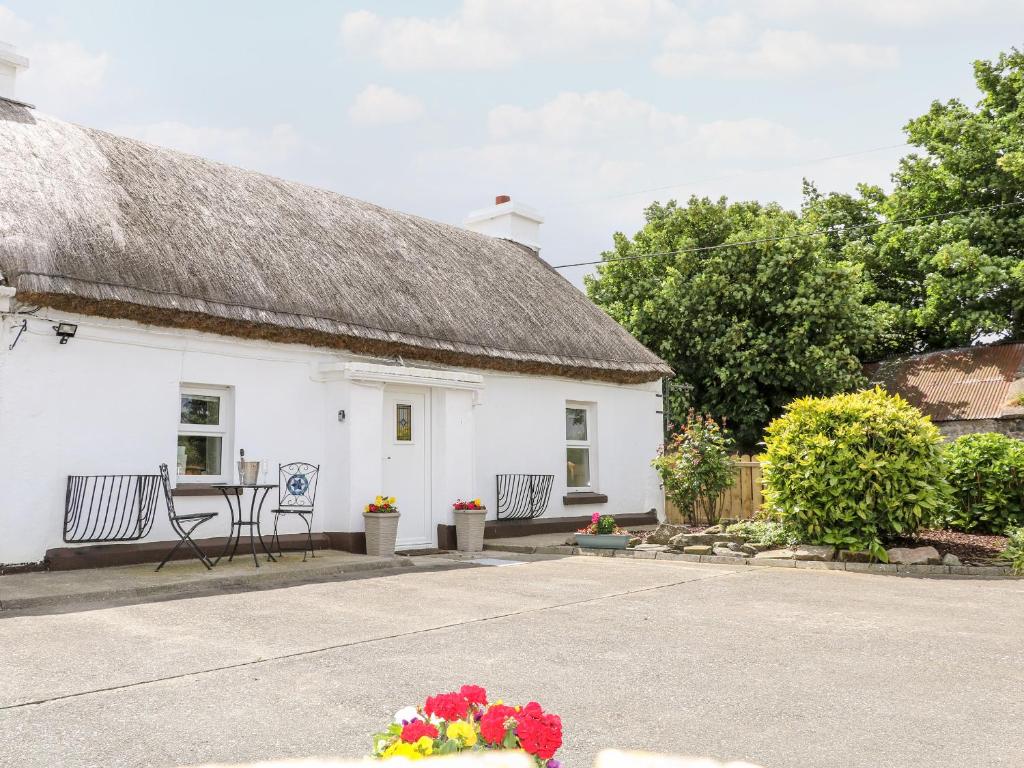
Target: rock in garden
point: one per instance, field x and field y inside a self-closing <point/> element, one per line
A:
<point x="750" y="550"/>
<point x="849" y="556"/>
<point x="650" y="547"/>
<point x="753" y="547"/>
<point x="775" y="554"/>
<point x="634" y="542"/>
<point x="713" y="529"/>
<point x="914" y="556"/>
<point x="697" y="549"/>
<point x="665" y="532"/>
<point x="735" y="546"/>
<point x="950" y="559"/>
<point x="814" y="552"/>
<point x="723" y="552"/>
<point x="694" y="539"/>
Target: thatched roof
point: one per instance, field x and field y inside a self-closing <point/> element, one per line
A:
<point x="101" y="224"/>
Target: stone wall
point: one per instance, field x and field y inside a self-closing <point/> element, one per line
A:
<point x="1012" y="427"/>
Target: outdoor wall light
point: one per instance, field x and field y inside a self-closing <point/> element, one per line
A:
<point x="341" y="415"/>
<point x="65" y="331"/>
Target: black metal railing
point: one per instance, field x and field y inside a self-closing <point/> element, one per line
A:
<point x="523" y="497"/>
<point x="109" y="507"/>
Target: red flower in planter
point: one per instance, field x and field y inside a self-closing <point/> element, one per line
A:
<point x="494" y="722"/>
<point x="447" y="706"/>
<point x="417" y="729"/>
<point x="474" y="694"/>
<point x="539" y="734"/>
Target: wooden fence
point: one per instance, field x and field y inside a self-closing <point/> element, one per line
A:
<point x="741" y="501"/>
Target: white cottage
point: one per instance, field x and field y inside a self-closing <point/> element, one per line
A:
<point x="157" y="307"/>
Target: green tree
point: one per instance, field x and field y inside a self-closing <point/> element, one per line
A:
<point x="946" y="281"/>
<point x="748" y="309"/>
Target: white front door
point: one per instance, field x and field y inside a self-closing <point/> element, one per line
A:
<point x="406" y="444"/>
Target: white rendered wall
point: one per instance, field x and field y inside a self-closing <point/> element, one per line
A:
<point x="107" y="403"/>
<point x="520" y="428"/>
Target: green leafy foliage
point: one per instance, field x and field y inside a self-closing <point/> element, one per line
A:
<point x="939" y="281"/>
<point x="768" y="532"/>
<point x="986" y="472"/>
<point x="747" y="328"/>
<point x="695" y="467"/>
<point x="1014" y="551"/>
<point x="854" y="470"/>
<point x="606" y="524"/>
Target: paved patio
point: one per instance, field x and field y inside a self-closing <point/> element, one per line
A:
<point x="787" y="668"/>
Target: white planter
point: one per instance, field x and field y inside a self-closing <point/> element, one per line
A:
<point x="381" y="532"/>
<point x="469" y="529"/>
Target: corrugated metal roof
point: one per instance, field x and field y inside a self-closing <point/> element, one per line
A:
<point x="955" y="384"/>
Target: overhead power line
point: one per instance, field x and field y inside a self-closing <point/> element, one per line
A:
<point x="814" y="233"/>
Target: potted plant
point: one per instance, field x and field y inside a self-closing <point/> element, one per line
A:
<point x="464" y="721"/>
<point x="469" y="525"/>
<point x="602" y="533"/>
<point x="381" y="520"/>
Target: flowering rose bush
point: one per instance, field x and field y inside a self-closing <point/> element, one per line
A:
<point x="463" y="721"/>
<point x="382" y="504"/>
<point x="473" y="504"/>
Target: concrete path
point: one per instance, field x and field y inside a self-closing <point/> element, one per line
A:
<point x="181" y="577"/>
<point x="784" y="667"/>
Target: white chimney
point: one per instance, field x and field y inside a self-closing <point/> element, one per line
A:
<point x="508" y="220"/>
<point x="10" y="63"/>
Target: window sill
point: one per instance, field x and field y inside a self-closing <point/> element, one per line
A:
<point x="195" y="489"/>
<point x="584" y="497"/>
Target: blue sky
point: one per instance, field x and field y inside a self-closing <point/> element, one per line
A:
<point x="572" y="106"/>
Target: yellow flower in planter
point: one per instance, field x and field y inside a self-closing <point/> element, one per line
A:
<point x="391" y="499"/>
<point x="463" y="732"/>
<point x="379" y="500"/>
<point x="478" y="502"/>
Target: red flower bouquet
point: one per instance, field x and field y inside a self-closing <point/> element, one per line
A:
<point x="463" y="720"/>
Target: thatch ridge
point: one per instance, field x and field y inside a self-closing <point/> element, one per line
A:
<point x="110" y="226"/>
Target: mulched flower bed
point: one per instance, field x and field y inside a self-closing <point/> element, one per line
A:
<point x="971" y="548"/>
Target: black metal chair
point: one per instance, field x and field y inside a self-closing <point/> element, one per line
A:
<point x="183" y="525"/>
<point x="297" y="495"/>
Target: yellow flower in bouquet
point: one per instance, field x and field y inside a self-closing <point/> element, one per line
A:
<point x="462" y="731"/>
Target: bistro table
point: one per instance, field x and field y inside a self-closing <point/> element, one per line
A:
<point x="233" y="493"/>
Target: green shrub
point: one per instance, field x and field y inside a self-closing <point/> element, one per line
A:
<point x="853" y="470"/>
<point x="1014" y="551"/>
<point x="695" y="468"/>
<point x="986" y="472"/>
<point x="771" y="533"/>
<point x="606" y="524"/>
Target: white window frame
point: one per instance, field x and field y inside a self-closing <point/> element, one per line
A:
<point x="590" y="443"/>
<point x="224" y="430"/>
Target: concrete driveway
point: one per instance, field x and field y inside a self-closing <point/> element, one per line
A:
<point x="783" y="667"/>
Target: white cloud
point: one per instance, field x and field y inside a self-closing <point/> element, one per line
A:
<point x="62" y="73"/>
<point x="235" y="146"/>
<point x="733" y="46"/>
<point x="892" y="13"/>
<point x="607" y="143"/>
<point x="380" y="105"/>
<point x="484" y="34"/>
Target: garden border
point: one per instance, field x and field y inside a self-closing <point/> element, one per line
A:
<point x="888" y="569"/>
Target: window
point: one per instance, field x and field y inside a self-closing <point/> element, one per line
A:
<point x="403" y="423"/>
<point x="203" y="447"/>
<point x="579" y="446"/>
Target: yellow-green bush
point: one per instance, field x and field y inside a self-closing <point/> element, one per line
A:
<point x="854" y="470"/>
